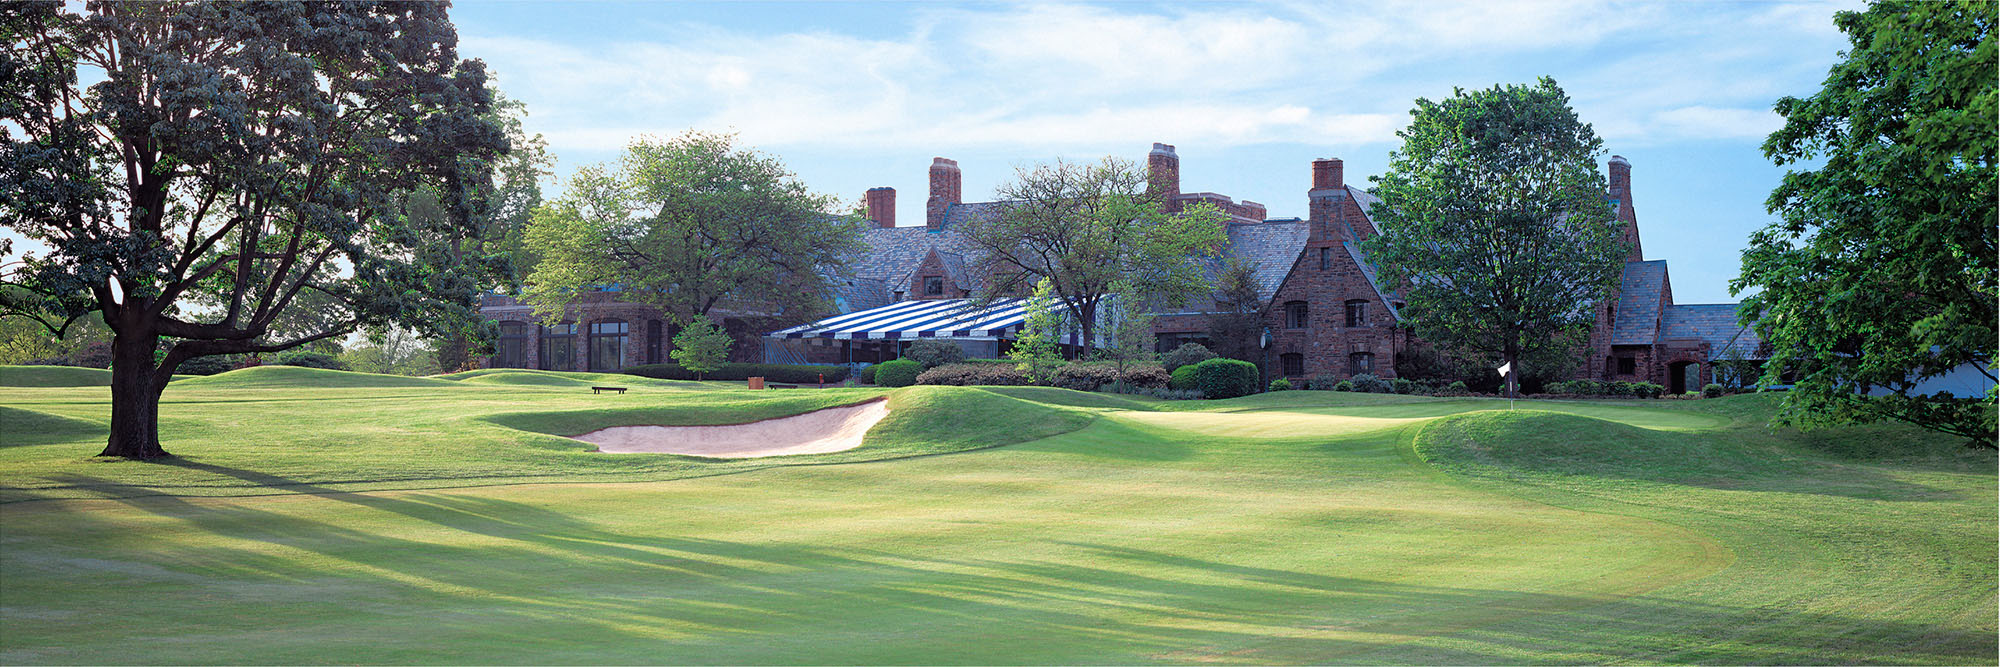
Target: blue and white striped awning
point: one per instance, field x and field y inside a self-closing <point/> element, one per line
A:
<point x="931" y="318"/>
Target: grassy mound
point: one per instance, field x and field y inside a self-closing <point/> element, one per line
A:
<point x="752" y="407"/>
<point x="1074" y="398"/>
<point x="299" y="377"/>
<point x="1568" y="444"/>
<point x="28" y="427"/>
<point x="53" y="376"/>
<point x="525" y="377"/>
<point x="937" y="419"/>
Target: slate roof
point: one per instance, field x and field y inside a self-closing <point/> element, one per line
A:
<point x="852" y="294"/>
<point x="954" y="268"/>
<point x="894" y="251"/>
<point x="1368" y="271"/>
<point x="1639" y="303"/>
<point x="1712" y="323"/>
<point x="1273" y="245"/>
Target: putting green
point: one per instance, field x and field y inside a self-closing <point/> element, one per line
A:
<point x="1345" y="528"/>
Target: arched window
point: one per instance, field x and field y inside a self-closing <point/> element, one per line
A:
<point x="1293" y="364"/>
<point x="1357" y="312"/>
<point x="607" y="345"/>
<point x="1360" y="362"/>
<point x="1296" y="315"/>
<point x="558" y="349"/>
<point x="512" y="350"/>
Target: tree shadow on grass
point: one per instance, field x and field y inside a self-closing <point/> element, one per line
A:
<point x="506" y="581"/>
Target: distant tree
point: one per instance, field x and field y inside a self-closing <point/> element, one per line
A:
<point x="1035" y="349"/>
<point x="1881" y="271"/>
<point x="700" y="346"/>
<point x="1085" y="228"/>
<point x="235" y="155"/>
<point x="1236" y="329"/>
<point x="686" y="224"/>
<point x="1494" y="220"/>
<point x="1131" y="326"/>
<point x="392" y="351"/>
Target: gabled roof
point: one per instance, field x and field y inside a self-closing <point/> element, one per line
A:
<point x="1368" y="271"/>
<point x="851" y="294"/>
<point x="1272" y="245"/>
<point x="1638" y="316"/>
<point x="1712" y="323"/>
<point x="892" y="252"/>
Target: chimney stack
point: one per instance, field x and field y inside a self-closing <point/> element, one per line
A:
<point x="946" y="183"/>
<point x="1328" y="174"/>
<point x="1163" y="173"/>
<point x="882" y="206"/>
<point x="1327" y="204"/>
<point x="1621" y="190"/>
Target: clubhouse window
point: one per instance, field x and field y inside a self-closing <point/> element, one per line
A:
<point x="933" y="285"/>
<point x="1357" y="312"/>
<point x="559" y="347"/>
<point x="512" y="350"/>
<point x="1627" y="365"/>
<point x="607" y="345"/>
<point x="1293" y="364"/>
<point x="1296" y="315"/>
<point x="1360" y="362"/>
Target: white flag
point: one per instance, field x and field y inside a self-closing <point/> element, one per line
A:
<point x="1506" y="368"/>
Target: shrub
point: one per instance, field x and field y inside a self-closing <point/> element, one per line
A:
<point x="898" y="373"/>
<point x="868" y="374"/>
<point x="310" y="360"/>
<point x="1343" y="385"/>
<point x="1457" y="388"/>
<point x="780" y="373"/>
<point x="1646" y="390"/>
<point x="1089" y="377"/>
<point x="1226" y="378"/>
<point x="205" y="365"/>
<point x="1181" y="379"/>
<point x="1325" y="382"/>
<point x="1402" y="386"/>
<point x="1370" y="383"/>
<point x="933" y="353"/>
<point x="1188" y="354"/>
<point x="970" y="374"/>
<point x="1281" y="384"/>
<point x="1711" y="390"/>
<point x="1151" y="377"/>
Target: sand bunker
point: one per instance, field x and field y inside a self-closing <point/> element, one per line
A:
<point x="816" y="432"/>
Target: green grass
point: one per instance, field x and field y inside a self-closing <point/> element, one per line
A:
<point x="443" y="520"/>
<point x="53" y="376"/>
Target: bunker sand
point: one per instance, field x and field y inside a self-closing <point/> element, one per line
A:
<point x="816" y="432"/>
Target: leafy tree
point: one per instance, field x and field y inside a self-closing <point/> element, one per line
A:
<point x="508" y="203"/>
<point x="1088" y="228"/>
<point x="1880" y="271"/>
<point x="700" y="346"/>
<point x="1236" y="328"/>
<point x="1493" y="218"/>
<point x="686" y="224"/>
<point x="233" y="157"/>
<point x="392" y="351"/>
<point x="1188" y="354"/>
<point x="1131" y="333"/>
<point x="1035" y="348"/>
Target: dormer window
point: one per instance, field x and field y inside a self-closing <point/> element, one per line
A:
<point x="933" y="286"/>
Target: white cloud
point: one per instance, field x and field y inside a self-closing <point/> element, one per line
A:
<point x="1700" y="122"/>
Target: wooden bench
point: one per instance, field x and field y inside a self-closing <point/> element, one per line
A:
<point x="600" y="390"/>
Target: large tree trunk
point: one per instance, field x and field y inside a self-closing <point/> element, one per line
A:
<point x="135" y="398"/>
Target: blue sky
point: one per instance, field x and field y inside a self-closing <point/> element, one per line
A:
<point x="860" y="95"/>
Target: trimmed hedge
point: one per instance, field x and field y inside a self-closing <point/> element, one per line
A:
<point x="1281" y="384"/>
<point x="1188" y="354"/>
<point x="779" y="373"/>
<point x="1182" y="379"/>
<point x="969" y="374"/>
<point x="1226" y="378"/>
<point x="1711" y="390"/>
<point x="868" y="374"/>
<point x="898" y="373"/>
<point x="933" y="353"/>
<point x="1603" y="388"/>
<point x="1371" y="383"/>
<point x="209" y="365"/>
<point x="310" y="360"/>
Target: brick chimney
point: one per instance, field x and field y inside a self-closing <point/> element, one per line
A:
<point x="1327" y="203"/>
<point x="1328" y="173"/>
<point x="946" y="184"/>
<point x="1621" y="190"/>
<point x="1163" y="174"/>
<point x="882" y="206"/>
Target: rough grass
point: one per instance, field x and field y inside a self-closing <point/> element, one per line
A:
<point x="53" y="376"/>
<point x="1300" y="527"/>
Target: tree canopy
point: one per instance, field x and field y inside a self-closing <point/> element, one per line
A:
<point x="1090" y="229"/>
<point x="233" y="157"/>
<point x="687" y="224"/>
<point x="1880" y="271"/>
<point x="1494" y="222"/>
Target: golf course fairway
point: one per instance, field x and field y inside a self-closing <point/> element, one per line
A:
<point x="315" y="516"/>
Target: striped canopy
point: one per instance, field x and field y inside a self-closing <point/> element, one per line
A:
<point x="931" y="318"/>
